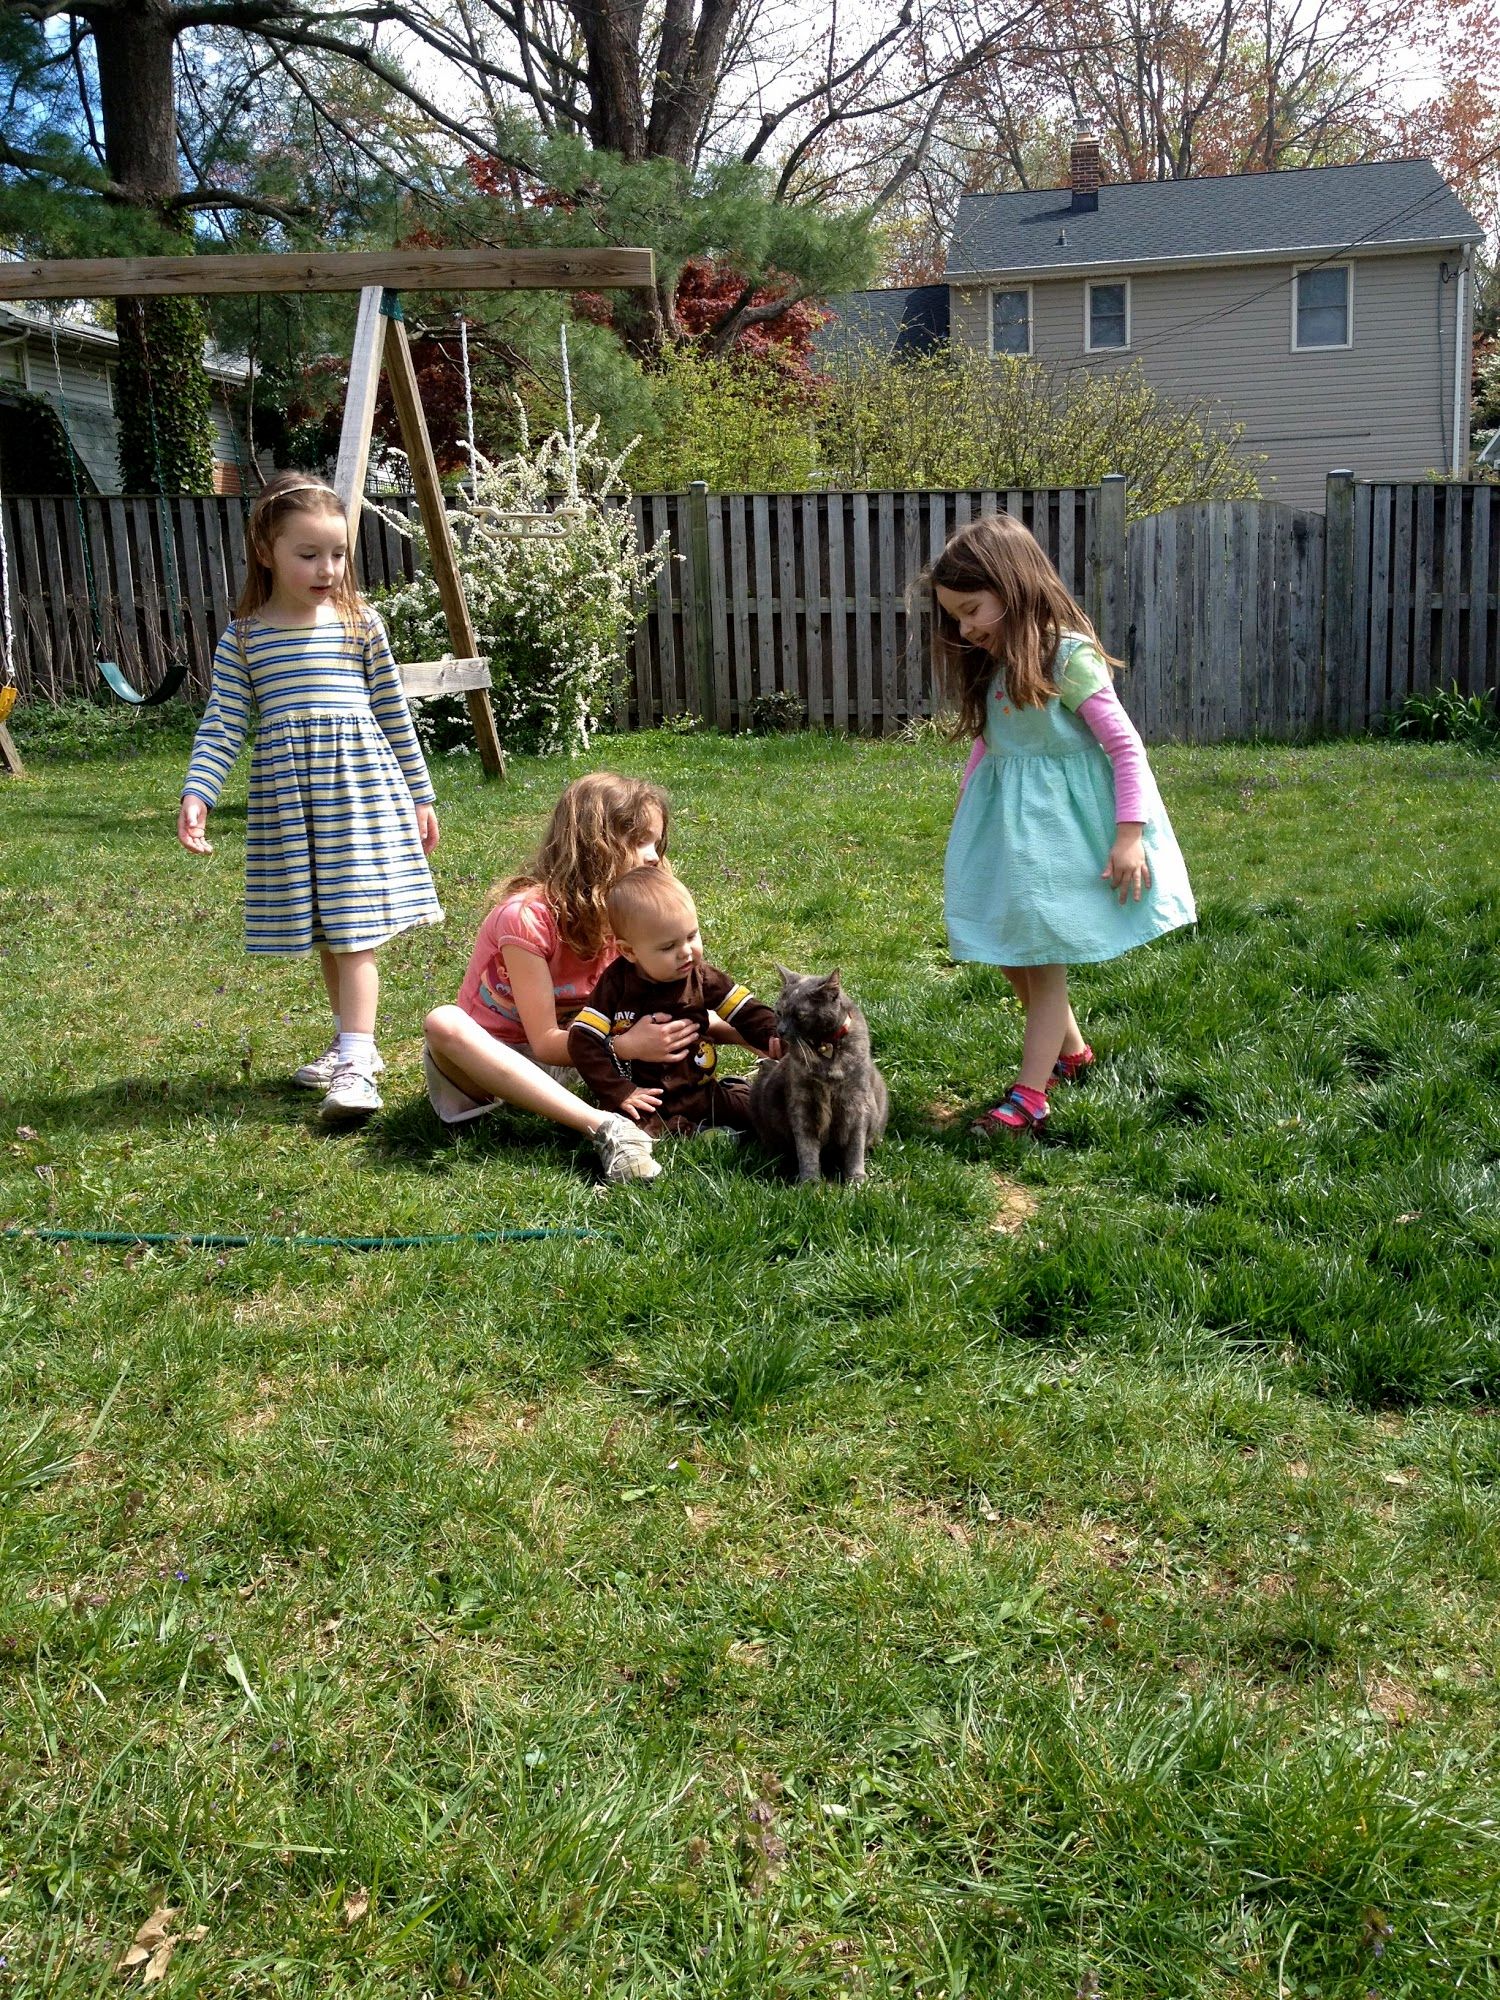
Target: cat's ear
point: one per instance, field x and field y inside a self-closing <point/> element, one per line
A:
<point x="785" y="977"/>
<point x="831" y="983"/>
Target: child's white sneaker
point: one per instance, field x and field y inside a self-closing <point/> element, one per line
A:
<point x="351" y="1095"/>
<point x="319" y="1075"/>
<point x="625" y="1151"/>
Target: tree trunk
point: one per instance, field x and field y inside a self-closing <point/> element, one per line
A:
<point x="135" y="41"/>
<point x="164" y="401"/>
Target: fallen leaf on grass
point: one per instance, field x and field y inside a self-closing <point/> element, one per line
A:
<point x="150" y="1953"/>
<point x="25" y="1132"/>
<point x="356" y="1906"/>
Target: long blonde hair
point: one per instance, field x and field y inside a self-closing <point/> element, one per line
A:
<point x="596" y="827"/>
<point x="286" y="494"/>
<point x="999" y="553"/>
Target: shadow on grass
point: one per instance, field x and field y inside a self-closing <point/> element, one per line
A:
<point x="154" y="825"/>
<point x="161" y="1100"/>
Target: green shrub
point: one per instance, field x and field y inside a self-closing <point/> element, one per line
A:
<point x="1447" y="715"/>
<point x="736" y="424"/>
<point x="776" y="713"/>
<point x="961" y="419"/>
<point x="950" y="419"/>
<point x="552" y="591"/>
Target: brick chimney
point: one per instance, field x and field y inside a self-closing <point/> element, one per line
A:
<point x="1083" y="171"/>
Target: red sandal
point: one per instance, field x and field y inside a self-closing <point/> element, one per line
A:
<point x="1019" y="1113"/>
<point x="1073" y="1069"/>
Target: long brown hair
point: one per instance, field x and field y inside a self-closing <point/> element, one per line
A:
<point x="999" y="553"/>
<point x="286" y="494"/>
<point x="592" y="837"/>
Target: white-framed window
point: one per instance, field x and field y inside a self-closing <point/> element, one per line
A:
<point x="1106" y="315"/>
<point x="1323" y="306"/>
<point x="1010" y="320"/>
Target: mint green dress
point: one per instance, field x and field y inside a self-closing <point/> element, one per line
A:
<point x="1023" y="877"/>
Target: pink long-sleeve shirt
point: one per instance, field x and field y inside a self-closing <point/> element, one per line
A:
<point x="1120" y="740"/>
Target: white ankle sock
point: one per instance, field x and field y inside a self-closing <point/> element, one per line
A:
<point x="357" y="1049"/>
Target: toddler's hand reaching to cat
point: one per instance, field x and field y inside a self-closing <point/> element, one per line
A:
<point x="640" y="1103"/>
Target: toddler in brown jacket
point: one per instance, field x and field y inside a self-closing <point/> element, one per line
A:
<point x="661" y="971"/>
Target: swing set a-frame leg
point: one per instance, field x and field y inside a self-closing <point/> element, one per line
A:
<point x="380" y="340"/>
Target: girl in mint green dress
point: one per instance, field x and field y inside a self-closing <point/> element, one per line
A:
<point x="1061" y="851"/>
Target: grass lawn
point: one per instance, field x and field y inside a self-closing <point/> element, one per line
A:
<point x="1062" y="1573"/>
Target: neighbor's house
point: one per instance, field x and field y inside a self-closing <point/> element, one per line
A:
<point x="1329" y="309"/>
<point x="77" y="377"/>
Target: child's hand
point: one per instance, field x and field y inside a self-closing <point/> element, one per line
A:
<point x="427" y="828"/>
<point x="641" y="1103"/>
<point x="1127" y="868"/>
<point x="656" y="1038"/>
<point x="190" y="824"/>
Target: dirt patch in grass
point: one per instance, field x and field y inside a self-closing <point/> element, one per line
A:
<point x="1392" y="1701"/>
<point x="1014" y="1206"/>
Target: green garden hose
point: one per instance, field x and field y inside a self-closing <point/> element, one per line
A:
<point x="196" y="1240"/>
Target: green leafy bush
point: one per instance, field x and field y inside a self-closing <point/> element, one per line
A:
<point x="956" y="418"/>
<point x="776" y="713"/>
<point x="1447" y="715"/>
<point x="959" y="418"/>
<point x="738" y="425"/>
<point x="552" y="590"/>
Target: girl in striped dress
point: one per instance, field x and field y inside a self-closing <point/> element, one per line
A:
<point x="340" y="816"/>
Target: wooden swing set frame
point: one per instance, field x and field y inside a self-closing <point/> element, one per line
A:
<point x="380" y="342"/>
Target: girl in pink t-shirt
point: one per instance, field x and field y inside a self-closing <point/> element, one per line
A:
<point x="539" y="951"/>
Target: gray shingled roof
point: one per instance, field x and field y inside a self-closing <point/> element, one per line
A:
<point x="1228" y="216"/>
<point x="899" y="320"/>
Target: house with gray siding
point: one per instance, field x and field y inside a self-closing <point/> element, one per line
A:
<point x="70" y="363"/>
<point x="1329" y="310"/>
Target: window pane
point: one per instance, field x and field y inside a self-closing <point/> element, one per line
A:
<point x="1106" y="315"/>
<point x="1012" y="323"/>
<point x="1322" y="308"/>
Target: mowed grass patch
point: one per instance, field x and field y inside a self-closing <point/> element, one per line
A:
<point x="975" y="1585"/>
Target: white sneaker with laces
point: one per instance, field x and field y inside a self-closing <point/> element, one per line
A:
<point x="625" y="1151"/>
<point x="319" y="1075"/>
<point x="351" y="1095"/>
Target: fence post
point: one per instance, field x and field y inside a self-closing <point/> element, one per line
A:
<point x="1336" y="668"/>
<point x="698" y="630"/>
<point x="1106" y="578"/>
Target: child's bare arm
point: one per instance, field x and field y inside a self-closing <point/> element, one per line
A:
<point x="536" y="1003"/>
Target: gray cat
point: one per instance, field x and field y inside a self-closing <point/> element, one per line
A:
<point x="824" y="1102"/>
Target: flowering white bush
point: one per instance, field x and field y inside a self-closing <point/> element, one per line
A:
<point x="553" y="597"/>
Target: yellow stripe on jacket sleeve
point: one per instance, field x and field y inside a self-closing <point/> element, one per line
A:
<point x="594" y="1021"/>
<point x="732" y="1002"/>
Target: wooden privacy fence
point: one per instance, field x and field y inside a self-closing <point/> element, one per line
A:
<point x="1235" y="617"/>
<point x="809" y="595"/>
<point x="135" y="581"/>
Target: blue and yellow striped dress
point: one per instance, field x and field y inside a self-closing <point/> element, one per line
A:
<point x="332" y="853"/>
